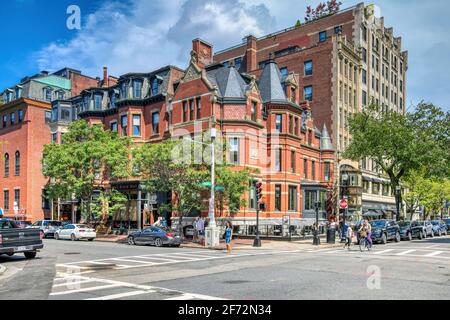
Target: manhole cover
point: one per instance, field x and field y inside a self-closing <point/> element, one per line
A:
<point x="72" y="253"/>
<point x="235" y="281"/>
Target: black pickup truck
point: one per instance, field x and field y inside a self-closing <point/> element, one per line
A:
<point x="14" y="239"/>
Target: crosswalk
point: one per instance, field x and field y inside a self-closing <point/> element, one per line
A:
<point x="161" y="259"/>
<point x="78" y="287"/>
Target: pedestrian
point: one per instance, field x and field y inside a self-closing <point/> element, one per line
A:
<point x="163" y="223"/>
<point x="228" y="236"/>
<point x="349" y="236"/>
<point x="195" y="224"/>
<point x="201" y="227"/>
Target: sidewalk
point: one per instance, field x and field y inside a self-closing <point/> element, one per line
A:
<point x="111" y="238"/>
<point x="2" y="270"/>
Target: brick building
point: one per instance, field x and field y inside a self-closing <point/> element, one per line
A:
<point x="265" y="125"/>
<point x="345" y="61"/>
<point x="25" y="116"/>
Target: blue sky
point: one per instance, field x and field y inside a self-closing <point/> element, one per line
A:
<point x="141" y="35"/>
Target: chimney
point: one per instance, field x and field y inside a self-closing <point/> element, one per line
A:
<point x="203" y="51"/>
<point x="105" y="77"/>
<point x="250" y="55"/>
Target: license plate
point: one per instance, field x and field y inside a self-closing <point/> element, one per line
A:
<point x="22" y="248"/>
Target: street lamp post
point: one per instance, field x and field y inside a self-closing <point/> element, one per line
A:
<point x="344" y="194"/>
<point x="212" y="232"/>
<point x="316" y="240"/>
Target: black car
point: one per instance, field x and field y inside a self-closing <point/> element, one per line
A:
<point x="384" y="230"/>
<point x="407" y="232"/>
<point x="14" y="239"/>
<point x="447" y="223"/>
<point x="154" y="236"/>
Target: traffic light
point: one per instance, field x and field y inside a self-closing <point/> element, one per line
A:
<point x="258" y="191"/>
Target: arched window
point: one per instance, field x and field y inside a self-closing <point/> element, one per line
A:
<point x="6" y="165"/>
<point x="17" y="164"/>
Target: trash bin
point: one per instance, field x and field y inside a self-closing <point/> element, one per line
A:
<point x="331" y="235"/>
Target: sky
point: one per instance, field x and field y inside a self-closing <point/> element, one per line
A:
<point x="143" y="35"/>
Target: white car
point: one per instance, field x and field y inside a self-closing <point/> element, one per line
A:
<point x="76" y="232"/>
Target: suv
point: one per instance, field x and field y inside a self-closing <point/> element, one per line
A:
<point x="384" y="230"/>
<point x="423" y="226"/>
<point x="439" y="227"/>
<point x="407" y="232"/>
<point x="47" y="227"/>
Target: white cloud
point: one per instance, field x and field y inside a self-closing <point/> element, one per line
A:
<point x="142" y="35"/>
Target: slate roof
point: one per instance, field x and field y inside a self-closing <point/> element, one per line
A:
<point x="270" y="84"/>
<point x="229" y="82"/>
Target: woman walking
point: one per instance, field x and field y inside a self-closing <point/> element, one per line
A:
<point x="228" y="236"/>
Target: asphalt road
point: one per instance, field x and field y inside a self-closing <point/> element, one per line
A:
<point x="107" y="271"/>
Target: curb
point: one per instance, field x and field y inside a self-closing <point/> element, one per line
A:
<point x="2" y="269"/>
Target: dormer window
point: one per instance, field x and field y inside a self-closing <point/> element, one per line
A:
<point x="86" y="103"/>
<point x="124" y="90"/>
<point x="113" y="100"/>
<point x="48" y="94"/>
<point x="238" y="63"/>
<point x="60" y="95"/>
<point x="18" y="93"/>
<point x="137" y="89"/>
<point x="8" y="96"/>
<point x="284" y="73"/>
<point x="155" y="87"/>
<point x="98" y="102"/>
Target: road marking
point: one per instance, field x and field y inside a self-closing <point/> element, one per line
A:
<point x="384" y="251"/>
<point x="108" y="286"/>
<point x="185" y="296"/>
<point x="70" y="283"/>
<point x="121" y="295"/>
<point x="155" y="258"/>
<point x="193" y="255"/>
<point x="432" y="254"/>
<point x="130" y="260"/>
<point x="405" y="252"/>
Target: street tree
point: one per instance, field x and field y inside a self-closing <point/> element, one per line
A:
<point x="86" y="160"/>
<point x="397" y="143"/>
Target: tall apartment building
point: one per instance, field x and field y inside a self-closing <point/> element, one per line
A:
<point x="264" y="123"/>
<point x="345" y="61"/>
<point x="24" y="130"/>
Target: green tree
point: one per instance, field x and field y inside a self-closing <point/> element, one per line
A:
<point x="235" y="184"/>
<point x="397" y="143"/>
<point x="86" y="160"/>
<point x="418" y="188"/>
<point x="108" y="203"/>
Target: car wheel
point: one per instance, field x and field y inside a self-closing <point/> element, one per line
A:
<point x="130" y="241"/>
<point x="91" y="239"/>
<point x="176" y="246"/>
<point x="410" y="236"/>
<point x="384" y="238"/>
<point x="72" y="237"/>
<point x="30" y="254"/>
<point x="56" y="236"/>
<point x="440" y="233"/>
<point x="158" y="242"/>
<point x="398" y="237"/>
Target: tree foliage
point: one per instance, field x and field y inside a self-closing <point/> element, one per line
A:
<point x="88" y="157"/>
<point x="322" y="10"/>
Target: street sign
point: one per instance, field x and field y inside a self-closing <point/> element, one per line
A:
<point x="343" y="204"/>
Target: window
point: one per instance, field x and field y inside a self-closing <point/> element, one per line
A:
<point x="17" y="164"/>
<point x="364" y="33"/>
<point x="198" y="102"/>
<point x="238" y="63"/>
<point x="278" y="160"/>
<point x="4" y="121"/>
<point x="12" y="117"/>
<point x="308" y="93"/>
<point x="18" y="93"/>
<point x="326" y="171"/>
<point x="86" y="103"/>
<point x="124" y="90"/>
<point x="6" y="165"/>
<point x="137" y="85"/>
<point x="296" y="126"/>
<point x="313" y="170"/>
<point x="55" y="137"/>
<point x="293" y="161"/>
<point x="155" y="87"/>
<point x="136" y="125"/>
<point x="48" y="116"/>
<point x="278" y="122"/>
<point x="364" y="55"/>
<point x="284" y="73"/>
<point x="124" y="124"/>
<point x="61" y="95"/>
<point x="17" y="198"/>
<point x="234" y="151"/>
<point x="291" y="124"/>
<point x="113" y="100"/>
<point x="322" y="36"/>
<point x="292" y="205"/>
<point x="113" y="126"/>
<point x="191" y="110"/>
<point x="65" y="114"/>
<point x="6" y="199"/>
<point x="308" y="68"/>
<point x="366" y="186"/>
<point x="338" y="29"/>
<point x="20" y="112"/>
<point x="309" y="137"/>
<point x="254" y="113"/>
<point x="155" y="122"/>
<point x="364" y="98"/>
<point x="305" y="168"/>
<point x="97" y="102"/>
<point x="375" y="188"/>
<point x="310" y="198"/>
<point x="184" y="111"/>
<point x="278" y="197"/>
<point x="48" y="94"/>
<point x="226" y="64"/>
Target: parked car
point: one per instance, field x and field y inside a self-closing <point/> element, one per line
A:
<point x="14" y="239"/>
<point x="447" y="224"/>
<point x="76" y="232"/>
<point x="384" y="230"/>
<point x="155" y="236"/>
<point x="425" y="227"/>
<point x="47" y="227"/>
<point x="439" y="227"/>
<point x="22" y="224"/>
<point x="407" y="232"/>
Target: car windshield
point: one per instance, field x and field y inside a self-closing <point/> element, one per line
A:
<point x="377" y="224"/>
<point x="404" y="223"/>
<point x="416" y="223"/>
<point x="435" y="222"/>
<point x="83" y="226"/>
<point x="55" y="223"/>
<point x="447" y="220"/>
